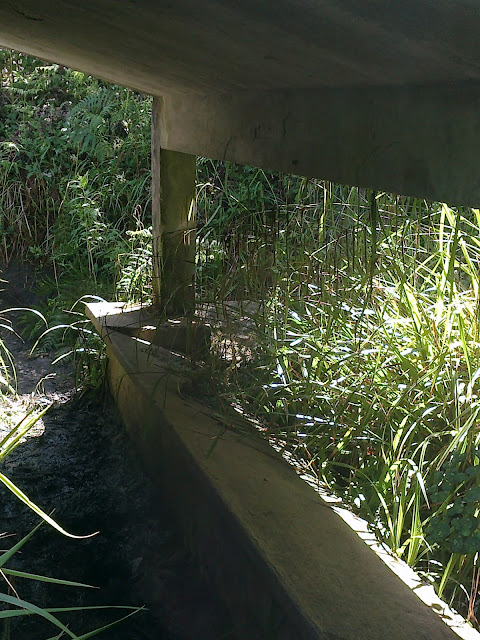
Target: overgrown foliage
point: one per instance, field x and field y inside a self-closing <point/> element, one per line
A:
<point x="368" y="360"/>
<point x="366" y="356"/>
<point x="74" y="167"/>
<point x="74" y="194"/>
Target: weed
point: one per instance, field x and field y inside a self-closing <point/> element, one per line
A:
<point x="366" y="363"/>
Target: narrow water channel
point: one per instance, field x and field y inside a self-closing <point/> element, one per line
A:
<point x="79" y="463"/>
<point x="82" y="467"/>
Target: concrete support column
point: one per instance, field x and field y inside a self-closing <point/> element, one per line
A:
<point x="174" y="223"/>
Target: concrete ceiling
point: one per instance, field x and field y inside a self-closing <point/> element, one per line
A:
<point x="160" y="46"/>
<point x="272" y="80"/>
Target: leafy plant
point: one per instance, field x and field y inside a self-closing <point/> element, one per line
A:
<point x="17" y="607"/>
<point x="74" y="162"/>
<point x="14" y="605"/>
<point x="134" y="282"/>
<point x="455" y="525"/>
<point x="366" y="364"/>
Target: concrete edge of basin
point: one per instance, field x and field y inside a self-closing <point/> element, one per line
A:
<point x="285" y="560"/>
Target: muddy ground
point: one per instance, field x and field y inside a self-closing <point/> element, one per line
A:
<point x="78" y="461"/>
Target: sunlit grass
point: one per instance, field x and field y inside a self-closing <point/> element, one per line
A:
<point x="368" y="361"/>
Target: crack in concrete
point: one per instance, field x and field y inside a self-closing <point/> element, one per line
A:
<point x="226" y="147"/>
<point x="25" y="15"/>
<point x="284" y="124"/>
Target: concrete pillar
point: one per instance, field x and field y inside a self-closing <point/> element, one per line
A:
<point x="174" y="223"/>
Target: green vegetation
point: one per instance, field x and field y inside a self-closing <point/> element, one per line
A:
<point x="74" y="195"/>
<point x="367" y="357"/>
<point x="74" y="167"/>
<point x="364" y="362"/>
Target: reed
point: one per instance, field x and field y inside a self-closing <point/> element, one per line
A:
<point x="367" y="360"/>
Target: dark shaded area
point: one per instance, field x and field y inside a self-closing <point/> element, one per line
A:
<point x="82" y="466"/>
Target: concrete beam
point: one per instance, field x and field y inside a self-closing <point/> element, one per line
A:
<point x="165" y="46"/>
<point x="289" y="84"/>
<point x="419" y="141"/>
<point x="173" y="222"/>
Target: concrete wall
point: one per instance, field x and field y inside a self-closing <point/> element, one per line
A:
<point x="285" y="562"/>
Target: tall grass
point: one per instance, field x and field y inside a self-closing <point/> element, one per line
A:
<point x="74" y="177"/>
<point x="367" y="364"/>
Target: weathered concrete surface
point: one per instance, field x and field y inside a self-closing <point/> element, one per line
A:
<point x="185" y="335"/>
<point x="420" y="141"/>
<point x="174" y="223"/>
<point x="379" y="94"/>
<point x="287" y="565"/>
<point x="160" y="46"/>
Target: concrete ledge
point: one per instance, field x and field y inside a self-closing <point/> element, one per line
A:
<point x="286" y="564"/>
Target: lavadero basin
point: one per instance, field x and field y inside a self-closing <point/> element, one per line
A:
<point x="289" y="562"/>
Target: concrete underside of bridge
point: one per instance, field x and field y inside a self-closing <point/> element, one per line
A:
<point x="377" y="94"/>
